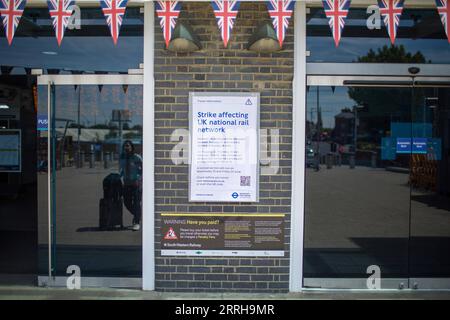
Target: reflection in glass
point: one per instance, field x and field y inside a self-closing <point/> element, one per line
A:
<point x="421" y="38"/>
<point x="98" y="179"/>
<point x="89" y="49"/>
<point x="430" y="186"/>
<point x="357" y="193"/>
<point x="377" y="183"/>
<point x="18" y="194"/>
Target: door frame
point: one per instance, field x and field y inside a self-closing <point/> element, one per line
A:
<point x="373" y="75"/>
<point x="134" y="77"/>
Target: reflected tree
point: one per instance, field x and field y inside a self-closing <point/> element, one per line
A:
<point x="385" y="105"/>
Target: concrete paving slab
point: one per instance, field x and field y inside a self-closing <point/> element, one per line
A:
<point x="36" y="293"/>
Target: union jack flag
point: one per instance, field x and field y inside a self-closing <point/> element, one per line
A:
<point x="60" y="12"/>
<point x="280" y="11"/>
<point x="391" y="11"/>
<point x="11" y="11"/>
<point x="444" y="12"/>
<point x="114" y="10"/>
<point x="336" y="12"/>
<point x="168" y="12"/>
<point x="225" y="12"/>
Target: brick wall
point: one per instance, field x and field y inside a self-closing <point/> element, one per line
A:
<point x="234" y="69"/>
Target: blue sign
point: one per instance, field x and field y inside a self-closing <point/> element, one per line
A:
<point x="235" y="195"/>
<point x="403" y="145"/>
<point x="42" y="123"/>
<point x="420" y="145"/>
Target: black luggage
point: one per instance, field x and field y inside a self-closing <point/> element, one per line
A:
<point x="111" y="206"/>
<point x="110" y="214"/>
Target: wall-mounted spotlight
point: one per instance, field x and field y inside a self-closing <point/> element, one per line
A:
<point x="264" y="39"/>
<point x="184" y="39"/>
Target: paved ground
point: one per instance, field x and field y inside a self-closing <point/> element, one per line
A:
<point x="344" y="204"/>
<point x="341" y="205"/>
<point x="354" y="218"/>
<point x="29" y="293"/>
<point x="77" y="196"/>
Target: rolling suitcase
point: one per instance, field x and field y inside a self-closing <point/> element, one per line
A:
<point x="110" y="214"/>
<point x="111" y="206"/>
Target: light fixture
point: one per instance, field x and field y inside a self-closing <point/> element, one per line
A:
<point x="264" y="39"/>
<point x="4" y="106"/>
<point x="414" y="70"/>
<point x="184" y="39"/>
<point x="50" y="53"/>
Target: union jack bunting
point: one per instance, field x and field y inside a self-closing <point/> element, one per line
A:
<point x="11" y="11"/>
<point x="336" y="12"/>
<point x="114" y="10"/>
<point x="444" y="11"/>
<point x="391" y="11"/>
<point x="225" y="12"/>
<point x="60" y="12"/>
<point x="168" y="12"/>
<point x="280" y="11"/>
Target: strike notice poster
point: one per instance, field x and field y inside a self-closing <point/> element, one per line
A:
<point x="224" y="147"/>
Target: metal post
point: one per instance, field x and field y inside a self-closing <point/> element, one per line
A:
<point x="329" y="160"/>
<point x="49" y="181"/>
<point x="355" y="129"/>
<point x="106" y="160"/>
<point x="352" y="160"/>
<point x="91" y="159"/>
<point x="82" y="155"/>
<point x="120" y="131"/>
<point x="374" y="160"/>
<point x="80" y="161"/>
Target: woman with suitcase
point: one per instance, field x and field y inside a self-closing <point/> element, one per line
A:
<point x="131" y="173"/>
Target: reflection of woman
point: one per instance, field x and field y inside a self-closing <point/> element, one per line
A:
<point x="131" y="172"/>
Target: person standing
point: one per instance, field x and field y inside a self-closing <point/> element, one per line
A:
<point x="131" y="173"/>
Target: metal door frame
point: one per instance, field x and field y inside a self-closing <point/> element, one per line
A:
<point x="134" y="77"/>
<point x="376" y="75"/>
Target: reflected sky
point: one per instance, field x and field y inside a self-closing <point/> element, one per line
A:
<point x="419" y="31"/>
<point x="95" y="106"/>
<point x="75" y="53"/>
<point x="323" y="49"/>
<point x="90" y="48"/>
<point x="331" y="104"/>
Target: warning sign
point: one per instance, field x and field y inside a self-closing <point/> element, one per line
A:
<point x="171" y="235"/>
<point x="228" y="234"/>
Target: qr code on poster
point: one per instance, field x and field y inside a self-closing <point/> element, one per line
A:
<point x="245" y="181"/>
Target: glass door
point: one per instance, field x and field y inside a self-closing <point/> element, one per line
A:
<point x="430" y="188"/>
<point x="94" y="180"/>
<point x="357" y="195"/>
<point x="377" y="184"/>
